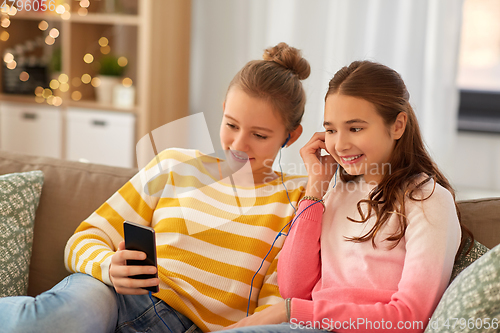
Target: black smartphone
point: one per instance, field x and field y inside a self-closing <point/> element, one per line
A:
<point x="141" y="238"/>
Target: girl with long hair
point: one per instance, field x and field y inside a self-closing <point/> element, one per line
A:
<point x="374" y="252"/>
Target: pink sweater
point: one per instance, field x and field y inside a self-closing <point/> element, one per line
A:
<point x="352" y="287"/>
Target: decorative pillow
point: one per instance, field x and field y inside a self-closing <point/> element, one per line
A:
<point x="19" y="197"/>
<point x="465" y="259"/>
<point x="472" y="301"/>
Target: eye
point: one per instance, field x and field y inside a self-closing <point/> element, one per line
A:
<point x="232" y="126"/>
<point x="356" y="129"/>
<point x="262" y="137"/>
<point x="330" y="131"/>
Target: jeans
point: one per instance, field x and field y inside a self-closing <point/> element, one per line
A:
<point x="280" y="328"/>
<point x="81" y="303"/>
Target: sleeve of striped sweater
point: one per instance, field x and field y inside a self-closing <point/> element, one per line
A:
<point x="269" y="293"/>
<point x="90" y="248"/>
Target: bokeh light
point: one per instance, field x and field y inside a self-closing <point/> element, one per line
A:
<point x="86" y="78"/>
<point x="76" y="95"/>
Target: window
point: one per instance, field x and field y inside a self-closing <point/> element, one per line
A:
<point x="479" y="67"/>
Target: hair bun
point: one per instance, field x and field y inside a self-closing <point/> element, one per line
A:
<point x="290" y="58"/>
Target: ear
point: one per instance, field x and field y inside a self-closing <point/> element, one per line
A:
<point x="399" y="126"/>
<point x="294" y="135"/>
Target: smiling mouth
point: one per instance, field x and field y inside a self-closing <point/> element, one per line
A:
<point x="351" y="159"/>
<point x="238" y="157"/>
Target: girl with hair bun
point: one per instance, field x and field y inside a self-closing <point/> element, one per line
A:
<point x="375" y="253"/>
<point x="205" y="270"/>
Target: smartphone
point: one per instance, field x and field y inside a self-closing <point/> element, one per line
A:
<point x="141" y="238"/>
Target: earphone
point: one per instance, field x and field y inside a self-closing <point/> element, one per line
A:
<point x="286" y="141"/>
<point x="280" y="233"/>
<point x="292" y="221"/>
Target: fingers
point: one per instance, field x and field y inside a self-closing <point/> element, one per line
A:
<point x="120" y="272"/>
<point x="129" y="286"/>
<point x="311" y="151"/>
<point x="125" y="284"/>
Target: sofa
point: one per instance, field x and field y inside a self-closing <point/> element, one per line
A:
<point x="72" y="191"/>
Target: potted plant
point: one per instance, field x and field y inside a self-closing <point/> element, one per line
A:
<point x="110" y="74"/>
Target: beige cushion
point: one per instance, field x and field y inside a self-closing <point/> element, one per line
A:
<point x="70" y="193"/>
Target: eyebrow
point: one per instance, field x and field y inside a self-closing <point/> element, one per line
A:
<point x="352" y="121"/>
<point x="254" y="127"/>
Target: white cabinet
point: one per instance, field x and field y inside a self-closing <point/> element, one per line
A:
<point x="31" y="129"/>
<point x="100" y="137"/>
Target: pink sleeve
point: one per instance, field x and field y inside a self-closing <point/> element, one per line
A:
<point x="299" y="264"/>
<point x="431" y="239"/>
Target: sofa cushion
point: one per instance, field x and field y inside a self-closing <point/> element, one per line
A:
<point x="482" y="217"/>
<point x="19" y="198"/>
<point x="472" y="301"/>
<point x="467" y="258"/>
<point x="71" y="192"/>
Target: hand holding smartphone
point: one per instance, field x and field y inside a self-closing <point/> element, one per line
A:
<point x="141" y="238"/>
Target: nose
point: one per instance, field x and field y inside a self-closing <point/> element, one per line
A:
<point x="343" y="142"/>
<point x="239" y="142"/>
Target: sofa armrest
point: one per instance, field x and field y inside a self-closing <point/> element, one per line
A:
<point x="71" y="192"/>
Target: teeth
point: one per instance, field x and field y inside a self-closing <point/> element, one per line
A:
<point x="351" y="158"/>
<point x="239" y="157"/>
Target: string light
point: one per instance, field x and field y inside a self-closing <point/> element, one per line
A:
<point x="88" y="58"/>
<point x="105" y="49"/>
<point x="127" y="82"/>
<point x="5" y="22"/>
<point x="39" y="91"/>
<point x="4" y="36"/>
<point x="12" y="64"/>
<point x="60" y="9"/>
<point x="83" y="11"/>
<point x="76" y="95"/>
<point x="57" y="101"/>
<point x="63" y="78"/>
<point x="64" y="87"/>
<point x="49" y="40"/>
<point x="24" y="76"/>
<point x="103" y="41"/>
<point x="84" y="3"/>
<point x="43" y="25"/>
<point x="66" y="15"/>
<point x="8" y="57"/>
<point x="46" y="93"/>
<point x="86" y="78"/>
<point x="54" y="84"/>
<point x="122" y="61"/>
<point x="39" y="99"/>
<point x="76" y="82"/>
<point x="96" y="82"/>
<point x="54" y="33"/>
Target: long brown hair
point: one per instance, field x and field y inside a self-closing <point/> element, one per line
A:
<point x="277" y="80"/>
<point x="384" y="88"/>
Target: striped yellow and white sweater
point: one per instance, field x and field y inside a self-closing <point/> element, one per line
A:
<point x="210" y="241"/>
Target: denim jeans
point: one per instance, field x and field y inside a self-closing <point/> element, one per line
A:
<point x="81" y="303"/>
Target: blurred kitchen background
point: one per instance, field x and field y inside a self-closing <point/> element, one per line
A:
<point x="174" y="58"/>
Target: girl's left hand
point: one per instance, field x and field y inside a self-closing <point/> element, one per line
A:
<point x="275" y="314"/>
